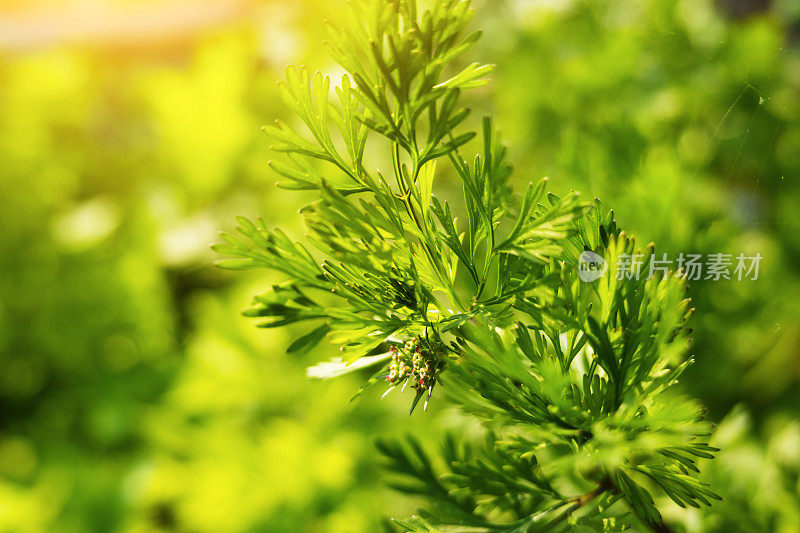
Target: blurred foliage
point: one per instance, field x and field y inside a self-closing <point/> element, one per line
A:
<point x="131" y="399"/>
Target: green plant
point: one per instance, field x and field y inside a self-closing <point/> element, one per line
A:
<point x="572" y="380"/>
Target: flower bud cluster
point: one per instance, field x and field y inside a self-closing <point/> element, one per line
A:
<point x="413" y="363"/>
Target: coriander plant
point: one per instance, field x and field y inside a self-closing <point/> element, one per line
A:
<point x="571" y="380"/>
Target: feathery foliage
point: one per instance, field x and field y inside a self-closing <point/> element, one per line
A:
<point x="571" y="380"/>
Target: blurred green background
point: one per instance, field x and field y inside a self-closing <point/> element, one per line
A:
<point x="133" y="397"/>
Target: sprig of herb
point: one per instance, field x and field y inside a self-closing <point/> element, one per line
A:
<point x="572" y="380"/>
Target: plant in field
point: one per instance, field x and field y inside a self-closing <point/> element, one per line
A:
<point x="572" y="380"/>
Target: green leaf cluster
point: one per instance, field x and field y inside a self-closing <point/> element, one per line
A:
<point x="572" y="380"/>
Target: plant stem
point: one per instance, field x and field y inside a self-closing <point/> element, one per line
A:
<point x="579" y="502"/>
<point x="605" y="486"/>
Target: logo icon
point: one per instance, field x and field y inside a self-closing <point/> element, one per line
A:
<point x="591" y="266"/>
